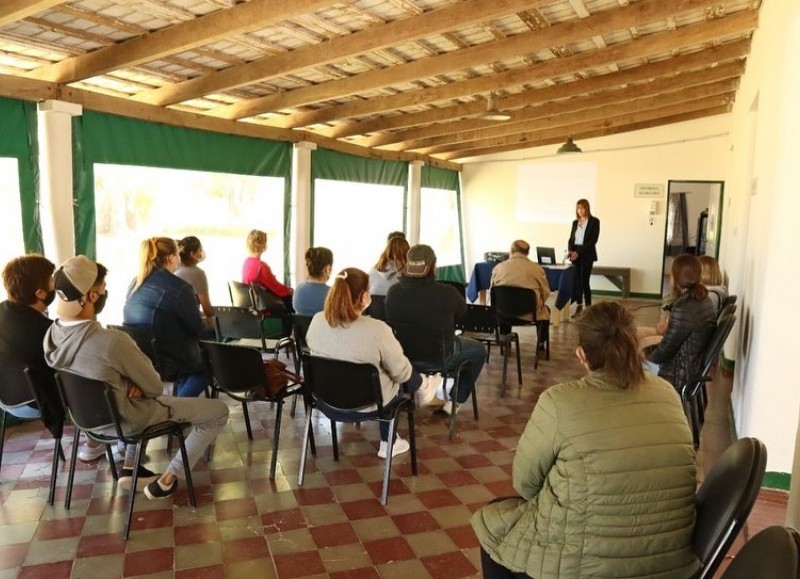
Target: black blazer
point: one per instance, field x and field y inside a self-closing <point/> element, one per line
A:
<point x="590" y="237"/>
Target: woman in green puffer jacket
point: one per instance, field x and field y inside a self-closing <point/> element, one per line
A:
<point x="605" y="470"/>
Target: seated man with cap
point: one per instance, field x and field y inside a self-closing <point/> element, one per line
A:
<point x="520" y="271"/>
<point x="419" y="300"/>
<point x="78" y="344"/>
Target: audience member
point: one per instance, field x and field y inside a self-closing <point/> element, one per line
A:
<point x="191" y="253"/>
<point x="23" y="323"/>
<point x="389" y="267"/>
<point x="342" y="332"/>
<point x="419" y="300"/>
<point x="520" y="271"/>
<point x="258" y="272"/>
<point x="692" y="320"/>
<point x="605" y="469"/>
<point x="711" y="276"/>
<point x="395" y="234"/>
<point x="309" y="296"/>
<point x="167" y="306"/>
<point x="78" y="344"/>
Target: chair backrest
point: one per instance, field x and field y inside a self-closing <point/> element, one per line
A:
<point x="425" y="346"/>
<point x="727" y="310"/>
<point x="15" y="387"/>
<point x="731" y="299"/>
<point x="240" y="294"/>
<point x="341" y="385"/>
<point x="265" y="301"/>
<point x="725" y="499"/>
<point x="774" y="553"/>
<point x="514" y="305"/>
<point x="234" y="368"/>
<point x="235" y="323"/>
<point x="89" y="403"/>
<point x="460" y="287"/>
<point x="715" y="345"/>
<point x="478" y="319"/>
<point x="300" y="326"/>
<point x="377" y="309"/>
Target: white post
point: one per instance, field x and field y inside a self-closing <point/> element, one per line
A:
<point x="301" y="209"/>
<point x="414" y="200"/>
<point x="56" y="213"/>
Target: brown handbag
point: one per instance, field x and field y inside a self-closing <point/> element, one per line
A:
<point x="276" y="379"/>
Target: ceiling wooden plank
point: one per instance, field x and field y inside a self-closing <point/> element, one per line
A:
<point x="654" y="44"/>
<point x="558" y="140"/>
<point x="385" y="125"/>
<point x="184" y="36"/>
<point x="26" y="89"/>
<point x="627" y="100"/>
<point x="380" y="36"/>
<point x="13" y="10"/>
<point x="623" y="115"/>
<point x="647" y="95"/>
<point x="525" y="43"/>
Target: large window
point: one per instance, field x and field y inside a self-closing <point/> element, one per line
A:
<point x="11" y="216"/>
<point x="134" y="203"/>
<point x="353" y="220"/>
<point x="439" y="226"/>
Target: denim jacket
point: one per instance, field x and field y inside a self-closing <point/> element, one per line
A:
<point x="167" y="305"/>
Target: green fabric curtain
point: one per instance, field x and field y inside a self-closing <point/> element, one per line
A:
<point x="18" y="140"/>
<point x="447" y="179"/>
<point x="103" y="138"/>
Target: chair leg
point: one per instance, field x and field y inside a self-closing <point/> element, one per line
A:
<point x="71" y="475"/>
<point x="304" y="452"/>
<point x="134" y="481"/>
<point x="247" y="421"/>
<point x="187" y="469"/>
<point x="335" y="440"/>
<point x="275" y="440"/>
<point x="519" y="360"/>
<point x="54" y="470"/>
<point x="505" y="370"/>
<point x="452" y="429"/>
<point x="294" y="406"/>
<point x="387" y="467"/>
<point x="412" y="439"/>
<point x="111" y="462"/>
<point x="474" y="401"/>
<point x="2" y="435"/>
<point x="61" y="451"/>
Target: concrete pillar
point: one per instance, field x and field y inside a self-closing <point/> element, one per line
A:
<point x="301" y="209"/>
<point x="56" y="211"/>
<point x="414" y="200"/>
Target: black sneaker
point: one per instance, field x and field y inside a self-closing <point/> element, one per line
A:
<point x="146" y="476"/>
<point x="153" y="491"/>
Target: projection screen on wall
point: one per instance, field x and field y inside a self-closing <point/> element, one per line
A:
<point x="547" y="192"/>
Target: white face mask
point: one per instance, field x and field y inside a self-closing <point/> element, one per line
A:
<point x="369" y="301"/>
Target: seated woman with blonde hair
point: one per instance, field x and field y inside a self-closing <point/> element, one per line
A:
<point x="341" y="332"/>
<point x="390" y="266"/>
<point x="605" y="470"/>
<point x="711" y="276"/>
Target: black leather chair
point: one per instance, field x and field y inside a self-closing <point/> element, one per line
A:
<point x="480" y="323"/>
<point x="20" y="388"/>
<point x="428" y="349"/>
<point x="337" y="387"/>
<point x="516" y="306"/>
<point x="240" y="294"/>
<point x="724" y="501"/>
<point x="92" y="409"/>
<point x="774" y="553"/>
<point x="377" y="308"/>
<point x="236" y="371"/>
<point x="272" y="310"/>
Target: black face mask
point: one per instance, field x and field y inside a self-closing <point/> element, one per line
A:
<point x="100" y="303"/>
<point x="48" y="299"/>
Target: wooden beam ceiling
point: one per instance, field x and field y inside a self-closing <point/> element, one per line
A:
<point x="12" y="10"/>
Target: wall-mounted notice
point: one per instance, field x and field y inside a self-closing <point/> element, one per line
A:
<point x="651" y="190"/>
<point x="547" y="192"/>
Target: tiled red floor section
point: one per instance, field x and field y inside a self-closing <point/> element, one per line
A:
<point x="334" y="525"/>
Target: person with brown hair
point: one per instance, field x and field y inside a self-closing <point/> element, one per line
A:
<point x="583" y="251"/>
<point x="605" y="470"/>
<point x="343" y="333"/>
<point x="167" y="306"/>
<point x="191" y="253"/>
<point x="390" y="266"/>
<point x="309" y="296"/>
<point x="692" y="320"/>
<point x="711" y="276"/>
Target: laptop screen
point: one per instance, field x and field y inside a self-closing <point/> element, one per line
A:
<point x="546" y="255"/>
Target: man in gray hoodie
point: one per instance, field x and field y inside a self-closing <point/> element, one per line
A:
<point x="77" y="343"/>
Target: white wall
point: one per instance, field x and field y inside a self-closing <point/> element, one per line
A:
<point x="695" y="150"/>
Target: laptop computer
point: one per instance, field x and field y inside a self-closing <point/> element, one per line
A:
<point x="546" y="255"/>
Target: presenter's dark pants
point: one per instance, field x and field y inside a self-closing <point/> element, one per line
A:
<point x="581" y="292"/>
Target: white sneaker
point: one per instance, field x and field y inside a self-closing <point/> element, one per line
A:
<point x="89" y="453"/>
<point x="426" y="394"/>
<point x="448" y="407"/>
<point x="400" y="446"/>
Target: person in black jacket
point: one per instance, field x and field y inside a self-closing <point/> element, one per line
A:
<point x="692" y="321"/>
<point x="419" y="300"/>
<point x="582" y="251"/>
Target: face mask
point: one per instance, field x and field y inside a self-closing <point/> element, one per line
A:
<point x="100" y="303"/>
<point x="48" y="299"/>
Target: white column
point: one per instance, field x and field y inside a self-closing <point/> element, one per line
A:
<point x="56" y="212"/>
<point x="414" y="200"/>
<point x="301" y="209"/>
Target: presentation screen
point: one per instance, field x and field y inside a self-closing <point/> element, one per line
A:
<point x="547" y="192"/>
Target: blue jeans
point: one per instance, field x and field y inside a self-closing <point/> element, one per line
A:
<point x="475" y="352"/>
<point x="191" y="385"/>
<point x="26" y="412"/>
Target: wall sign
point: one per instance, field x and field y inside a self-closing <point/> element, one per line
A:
<point x="649" y="190"/>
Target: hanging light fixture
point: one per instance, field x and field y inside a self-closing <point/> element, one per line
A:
<point x="492" y="114"/>
<point x="569" y="147"/>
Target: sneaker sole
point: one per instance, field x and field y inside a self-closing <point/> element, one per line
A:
<point x="142" y="482"/>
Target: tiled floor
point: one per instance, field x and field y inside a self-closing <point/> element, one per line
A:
<point x="248" y="526"/>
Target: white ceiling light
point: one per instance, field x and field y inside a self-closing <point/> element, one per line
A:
<point x="492" y="114"/>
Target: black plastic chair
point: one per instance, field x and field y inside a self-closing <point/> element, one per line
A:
<point x="240" y="294"/>
<point x="300" y="326"/>
<point x="236" y="371"/>
<point x="19" y="388"/>
<point x="774" y="553"/>
<point x="337" y="387"/>
<point x="726" y="310"/>
<point x="429" y="349"/>
<point x="480" y="323"/>
<point x="243" y="327"/>
<point x="377" y="308"/>
<point x="271" y="308"/>
<point x="724" y="501"/>
<point x="516" y="306"/>
<point x="92" y="409"/>
<point x="460" y="287"/>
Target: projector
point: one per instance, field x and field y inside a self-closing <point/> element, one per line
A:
<point x="495" y="256"/>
